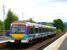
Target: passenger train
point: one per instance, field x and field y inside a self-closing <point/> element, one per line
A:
<point x="26" y="31"/>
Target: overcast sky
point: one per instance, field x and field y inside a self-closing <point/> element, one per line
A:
<point x="39" y="10"/>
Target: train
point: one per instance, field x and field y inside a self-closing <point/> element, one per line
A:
<point x="27" y="31"/>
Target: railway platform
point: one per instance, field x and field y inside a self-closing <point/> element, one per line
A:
<point x="63" y="45"/>
<point x="59" y="44"/>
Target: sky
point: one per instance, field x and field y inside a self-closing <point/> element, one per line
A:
<point x="39" y="10"/>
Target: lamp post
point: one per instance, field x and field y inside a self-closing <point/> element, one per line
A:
<point x="3" y="19"/>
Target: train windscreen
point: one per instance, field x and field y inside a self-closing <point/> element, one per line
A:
<point x="18" y="29"/>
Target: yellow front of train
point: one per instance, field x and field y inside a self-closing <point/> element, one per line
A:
<point x="17" y="35"/>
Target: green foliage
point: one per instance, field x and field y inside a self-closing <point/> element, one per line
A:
<point x="58" y="23"/>
<point x="31" y="20"/>
<point x="11" y="17"/>
<point x="58" y="31"/>
<point x="65" y="23"/>
<point x="1" y="26"/>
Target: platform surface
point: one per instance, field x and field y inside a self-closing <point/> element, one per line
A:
<point x="3" y="39"/>
<point x="59" y="44"/>
<point x="63" y="45"/>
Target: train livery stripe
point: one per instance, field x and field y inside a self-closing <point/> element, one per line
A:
<point x="18" y="36"/>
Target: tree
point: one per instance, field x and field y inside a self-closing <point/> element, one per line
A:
<point x="11" y="17"/>
<point x="58" y="23"/>
<point x="1" y="26"/>
<point x="31" y="20"/>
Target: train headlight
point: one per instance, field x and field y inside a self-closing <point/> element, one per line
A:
<point x="12" y="40"/>
<point x="24" y="41"/>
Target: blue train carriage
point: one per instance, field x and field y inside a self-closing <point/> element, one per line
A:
<point x="26" y="31"/>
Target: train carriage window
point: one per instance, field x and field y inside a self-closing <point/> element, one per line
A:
<point x="49" y="29"/>
<point x="39" y="30"/>
<point x="52" y="30"/>
<point x="31" y="30"/>
<point x="43" y="29"/>
<point x="46" y="29"/>
<point x="36" y="30"/>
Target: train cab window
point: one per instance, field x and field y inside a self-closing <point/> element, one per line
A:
<point x="18" y="29"/>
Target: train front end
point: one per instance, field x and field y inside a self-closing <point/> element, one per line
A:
<point x="19" y="32"/>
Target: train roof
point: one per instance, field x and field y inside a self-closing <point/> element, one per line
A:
<point x="33" y="24"/>
<point x="39" y="25"/>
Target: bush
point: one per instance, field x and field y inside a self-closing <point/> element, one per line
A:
<point x="58" y="31"/>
